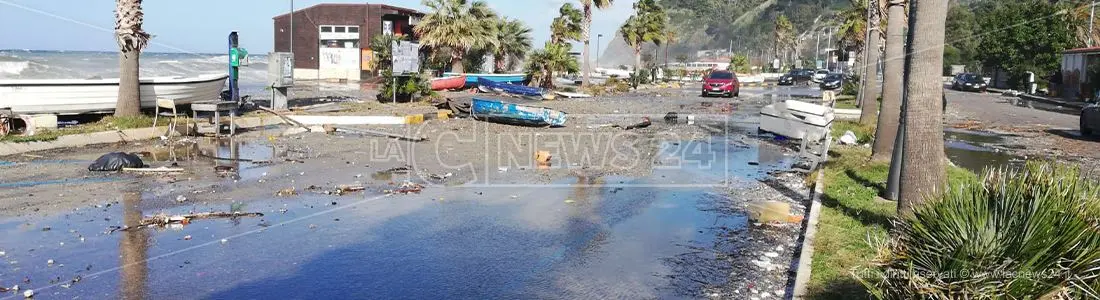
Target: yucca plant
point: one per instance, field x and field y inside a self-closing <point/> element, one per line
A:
<point x="1016" y="234"/>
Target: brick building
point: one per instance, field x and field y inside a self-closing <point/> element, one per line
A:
<point x="332" y="41"/>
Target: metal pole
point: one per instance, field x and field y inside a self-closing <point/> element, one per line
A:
<point x="393" y="89"/>
<point x="292" y="37"/>
<point x="817" y="54"/>
<point x="830" y="44"/>
<point x="598" y="36"/>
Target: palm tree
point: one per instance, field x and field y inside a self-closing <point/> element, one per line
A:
<point x="458" y="25"/>
<point x="567" y="26"/>
<point x="670" y="37"/>
<point x="586" y="30"/>
<point x="131" y="40"/>
<point x="553" y="58"/>
<point x="513" y="42"/>
<point x="784" y="34"/>
<point x="923" y="173"/>
<point x="868" y="92"/>
<point x="890" y="113"/>
<point x="646" y="25"/>
<point x="1079" y="20"/>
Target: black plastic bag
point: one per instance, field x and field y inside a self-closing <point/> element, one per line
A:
<point x="115" y="161"/>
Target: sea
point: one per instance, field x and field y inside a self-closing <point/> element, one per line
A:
<point x="39" y="64"/>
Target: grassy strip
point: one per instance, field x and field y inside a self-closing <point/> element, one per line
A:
<point x="852" y="215"/>
<point x="106" y="124"/>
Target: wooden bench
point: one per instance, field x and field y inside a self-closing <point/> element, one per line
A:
<point x="217" y="108"/>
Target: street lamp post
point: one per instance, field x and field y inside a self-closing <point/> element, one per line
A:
<point x="598" y="36"/>
<point x="291" y="37"/>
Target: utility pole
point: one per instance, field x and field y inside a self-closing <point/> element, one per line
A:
<point x="829" y="58"/>
<point x="291" y="36"/>
<point x="1092" y="12"/>
<point x="817" y="54"/>
<point x="598" y="36"/>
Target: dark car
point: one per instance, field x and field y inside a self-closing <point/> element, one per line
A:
<point x="796" y="76"/>
<point x="1090" y="119"/>
<point x="968" y="82"/>
<point x="721" y="83"/>
<point x="832" y="81"/>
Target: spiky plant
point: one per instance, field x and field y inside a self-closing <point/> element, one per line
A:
<point x="513" y="43"/>
<point x="457" y="25"/>
<point x="131" y="40"/>
<point x="1026" y="234"/>
<point x="543" y="64"/>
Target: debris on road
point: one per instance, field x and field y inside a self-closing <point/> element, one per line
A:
<point x="116" y="161"/>
<point x="346" y="189"/>
<point x="542" y="159"/>
<point x="162" y="220"/>
<point x="154" y="170"/>
<point x="333" y="129"/>
<point x="290" y="191"/>
<point x="643" y="124"/>
<point x="405" y="189"/>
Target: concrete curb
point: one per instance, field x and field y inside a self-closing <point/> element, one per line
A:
<point x="120" y="136"/>
<point x="805" y="259"/>
<point x="1078" y="105"/>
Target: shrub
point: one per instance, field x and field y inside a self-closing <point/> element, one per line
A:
<point x="1027" y="234"/>
<point x="851" y="86"/>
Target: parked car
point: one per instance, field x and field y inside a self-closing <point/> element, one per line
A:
<point x="796" y="76"/>
<point x="1090" y="119"/>
<point x="832" y="81"/>
<point x="721" y="83"/>
<point x="968" y="82"/>
<point x="820" y="75"/>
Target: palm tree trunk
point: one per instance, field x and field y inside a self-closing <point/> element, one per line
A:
<point x="499" y="64"/>
<point x="456" y="62"/>
<point x="129" y="88"/>
<point x="637" y="58"/>
<point x="871" y="88"/>
<point x="892" y="84"/>
<point x="586" y="32"/>
<point x="922" y="172"/>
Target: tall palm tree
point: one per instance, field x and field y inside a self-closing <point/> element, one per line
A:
<point x="567" y="26"/>
<point x="458" y="25"/>
<point x="784" y="35"/>
<point x="670" y="37"/>
<point x="869" y="91"/>
<point x="890" y="112"/>
<point x="552" y="58"/>
<point x="513" y="42"/>
<point x="922" y="173"/>
<point x="648" y="24"/>
<point x="131" y="40"/>
<point x="586" y="31"/>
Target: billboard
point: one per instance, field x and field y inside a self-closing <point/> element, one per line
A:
<point x="406" y="57"/>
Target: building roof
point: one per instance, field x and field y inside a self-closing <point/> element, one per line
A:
<point x="347" y="5"/>
<point x="1082" y="50"/>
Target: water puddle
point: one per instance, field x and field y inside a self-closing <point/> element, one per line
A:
<point x="229" y="158"/>
<point x="74" y="181"/>
<point x="584" y="237"/>
<point x="977" y="151"/>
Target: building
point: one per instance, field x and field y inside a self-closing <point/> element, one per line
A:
<point x="1075" y="73"/>
<point x="332" y="41"/>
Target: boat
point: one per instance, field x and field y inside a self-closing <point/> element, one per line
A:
<point x="449" y="83"/>
<point x="91" y="96"/>
<point x="489" y="86"/>
<point x="515" y="114"/>
<point x="471" y="79"/>
<point x="797" y="119"/>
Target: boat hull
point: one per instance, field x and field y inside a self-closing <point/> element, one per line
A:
<point x="472" y="79"/>
<point x="91" y="96"/>
<point x="448" y="83"/>
<point x="515" y="114"/>
<point x="487" y="85"/>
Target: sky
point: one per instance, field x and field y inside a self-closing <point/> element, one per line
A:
<point x="202" y="26"/>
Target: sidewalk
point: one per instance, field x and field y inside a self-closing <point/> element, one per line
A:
<point x="1053" y="101"/>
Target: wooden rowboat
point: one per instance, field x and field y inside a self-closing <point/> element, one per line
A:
<point x="449" y="83"/>
<point x="516" y="114"/>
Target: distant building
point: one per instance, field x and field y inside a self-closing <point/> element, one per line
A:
<point x="1075" y="73"/>
<point x="332" y="41"/>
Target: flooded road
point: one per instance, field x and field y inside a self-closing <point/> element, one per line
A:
<point x="582" y="237"/>
<point x="976" y="151"/>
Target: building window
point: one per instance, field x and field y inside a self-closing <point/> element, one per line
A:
<point x="340" y="29"/>
<point x="326" y="28"/>
<point x="353" y="29"/>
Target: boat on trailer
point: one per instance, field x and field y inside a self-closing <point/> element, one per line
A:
<point x="96" y="96"/>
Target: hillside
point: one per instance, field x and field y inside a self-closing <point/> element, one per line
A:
<point x="713" y="24"/>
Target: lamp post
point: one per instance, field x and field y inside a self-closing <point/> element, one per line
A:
<point x="598" y="36"/>
<point x="291" y="36"/>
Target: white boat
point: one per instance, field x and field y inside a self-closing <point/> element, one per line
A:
<point x="85" y="96"/>
<point x="797" y="120"/>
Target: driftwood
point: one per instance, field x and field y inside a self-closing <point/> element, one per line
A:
<point x="329" y="128"/>
<point x="154" y="170"/>
<point x="281" y="116"/>
<point x="165" y="220"/>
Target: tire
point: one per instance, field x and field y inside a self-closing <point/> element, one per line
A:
<point x="1085" y="130"/>
<point x="737" y="94"/>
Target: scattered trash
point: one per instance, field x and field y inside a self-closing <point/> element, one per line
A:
<point x="502" y="169"/>
<point x="115" y="161"/>
<point x="154" y="170"/>
<point x="181" y="199"/>
<point x="771" y="254"/>
<point x="406" y="188"/>
<point x="643" y="124"/>
<point x="346" y="189"/>
<point x="224" y="241"/>
<point x="769" y="211"/>
<point x="849" y="138"/>
<point x="542" y="159"/>
<point x="166" y="220"/>
<point x="672" y="117"/>
<point x="569" y="201"/>
<point x="286" y="192"/>
<point x="691" y="119"/>
<point x="187" y="237"/>
<point x="49" y="261"/>
<point x="28" y="294"/>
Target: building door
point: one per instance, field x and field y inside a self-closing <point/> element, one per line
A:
<point x="339" y="52"/>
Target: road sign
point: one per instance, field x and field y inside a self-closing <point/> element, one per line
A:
<point x="406" y="57"/>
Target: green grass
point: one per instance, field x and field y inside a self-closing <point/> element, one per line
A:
<point x="846" y="103"/>
<point x="864" y="133"/>
<point x="106" y="124"/>
<point x="851" y="215"/>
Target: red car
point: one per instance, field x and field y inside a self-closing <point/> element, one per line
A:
<point x="721" y="83"/>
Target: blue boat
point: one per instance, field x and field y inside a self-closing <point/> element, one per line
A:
<point x="490" y="86"/>
<point x="515" y="114"/>
<point x="472" y="79"/>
